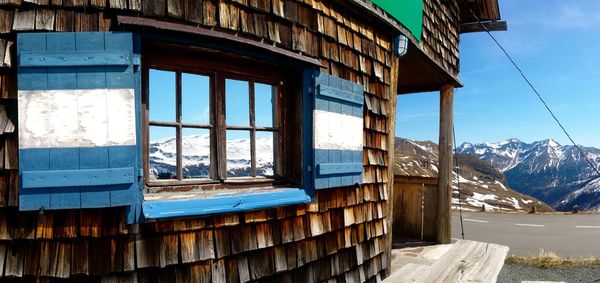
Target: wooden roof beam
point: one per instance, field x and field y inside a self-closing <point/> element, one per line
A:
<point x="476" y="27"/>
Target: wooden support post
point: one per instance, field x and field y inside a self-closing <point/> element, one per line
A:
<point x="445" y="164"/>
<point x="391" y="110"/>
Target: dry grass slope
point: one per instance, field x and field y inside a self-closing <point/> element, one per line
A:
<point x="549" y="259"/>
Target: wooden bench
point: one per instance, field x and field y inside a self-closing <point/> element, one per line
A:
<point x="465" y="261"/>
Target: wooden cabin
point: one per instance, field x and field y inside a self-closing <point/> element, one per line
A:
<point x="122" y="123"/>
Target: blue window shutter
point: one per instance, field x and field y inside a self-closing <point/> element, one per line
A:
<point x="79" y="120"/>
<point x="335" y="131"/>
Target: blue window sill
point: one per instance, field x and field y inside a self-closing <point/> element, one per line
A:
<point x="232" y="203"/>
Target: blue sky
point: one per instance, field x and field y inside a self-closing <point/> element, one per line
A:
<point x="195" y="91"/>
<point x="557" y="44"/>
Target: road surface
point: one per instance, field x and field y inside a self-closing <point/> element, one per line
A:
<point x="573" y="235"/>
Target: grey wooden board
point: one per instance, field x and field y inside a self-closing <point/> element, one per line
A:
<point x="469" y="261"/>
<point x="411" y="272"/>
<point x="464" y="261"/>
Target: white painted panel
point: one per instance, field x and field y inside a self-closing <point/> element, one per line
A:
<point x="76" y="118"/>
<point x="62" y="112"/>
<point x="337" y="131"/>
<point x="121" y="125"/>
<point x="33" y="120"/>
<point x="93" y="118"/>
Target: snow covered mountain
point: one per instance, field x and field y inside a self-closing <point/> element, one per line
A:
<point x="196" y="157"/>
<point x="480" y="182"/>
<point x="545" y="169"/>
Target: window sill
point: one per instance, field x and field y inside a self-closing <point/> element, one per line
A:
<point x="160" y="206"/>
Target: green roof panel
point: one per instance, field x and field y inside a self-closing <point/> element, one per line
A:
<point x="407" y="12"/>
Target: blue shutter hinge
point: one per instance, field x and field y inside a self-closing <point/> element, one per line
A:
<point x="140" y="175"/>
<point x="137" y="62"/>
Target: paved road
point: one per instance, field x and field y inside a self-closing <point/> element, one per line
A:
<point x="568" y="235"/>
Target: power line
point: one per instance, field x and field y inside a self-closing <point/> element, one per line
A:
<point x="456" y="169"/>
<point x="539" y="96"/>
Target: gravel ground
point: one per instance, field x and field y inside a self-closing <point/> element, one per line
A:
<point x="518" y="273"/>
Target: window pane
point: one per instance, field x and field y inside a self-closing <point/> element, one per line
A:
<point x="263" y="102"/>
<point x="264" y="154"/>
<point x="162" y="153"/>
<point x="195" y="93"/>
<point x="196" y="153"/>
<point x="237" y="103"/>
<point x="162" y="95"/>
<point x="238" y="154"/>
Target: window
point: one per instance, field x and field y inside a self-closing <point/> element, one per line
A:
<point x="207" y="124"/>
<point x="180" y="125"/>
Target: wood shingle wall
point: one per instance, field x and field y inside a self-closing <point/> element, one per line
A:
<point x="342" y="236"/>
<point x="441" y="22"/>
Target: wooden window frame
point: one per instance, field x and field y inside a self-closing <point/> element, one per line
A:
<point x="218" y="68"/>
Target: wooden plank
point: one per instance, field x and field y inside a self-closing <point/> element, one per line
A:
<point x="98" y="3"/>
<point x="169" y="250"/>
<point x="193" y="11"/>
<point x="90" y="222"/>
<point x="24" y="20"/>
<point x="339" y="168"/>
<point x="468" y="261"/>
<point x="13" y="190"/>
<point x="61" y="264"/>
<point x="154" y="8"/>
<point x="489" y="26"/>
<point x="118" y="4"/>
<point x="85" y="22"/>
<point x="410" y="272"/>
<point x="11" y="158"/>
<point x="104" y="22"/>
<point x="430" y="207"/>
<point x="65" y="21"/>
<point x="14" y="261"/>
<point x="61" y="159"/>
<point x="222" y="243"/>
<point x="411" y="211"/>
<point x="231" y="268"/>
<point x="243" y="269"/>
<point x="65" y="224"/>
<point x="99" y="256"/>
<point x="4" y="194"/>
<point x="209" y="12"/>
<point x="129" y="253"/>
<point x="416" y="180"/>
<point x="77" y="177"/>
<point x="343" y="95"/>
<point x="125" y="20"/>
<point x="3" y="250"/>
<point x="187" y="247"/>
<point x="146" y="251"/>
<point x="219" y="275"/>
<point x="175" y="8"/>
<point x="45" y="226"/>
<point x="90" y="159"/>
<point x="135" y="5"/>
<point x="445" y="164"/>
<point x="6" y="21"/>
<point x="263" y="5"/>
<point x="75" y="58"/>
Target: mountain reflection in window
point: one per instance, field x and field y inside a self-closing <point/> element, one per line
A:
<point x="162" y="153"/>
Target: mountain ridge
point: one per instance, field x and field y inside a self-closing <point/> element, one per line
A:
<point x="481" y="184"/>
<point x="554" y="173"/>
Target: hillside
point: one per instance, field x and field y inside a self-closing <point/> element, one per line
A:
<point x="196" y="157"/>
<point x="553" y="173"/>
<point x="480" y="182"/>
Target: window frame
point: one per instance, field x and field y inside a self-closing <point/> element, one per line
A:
<point x="218" y="67"/>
